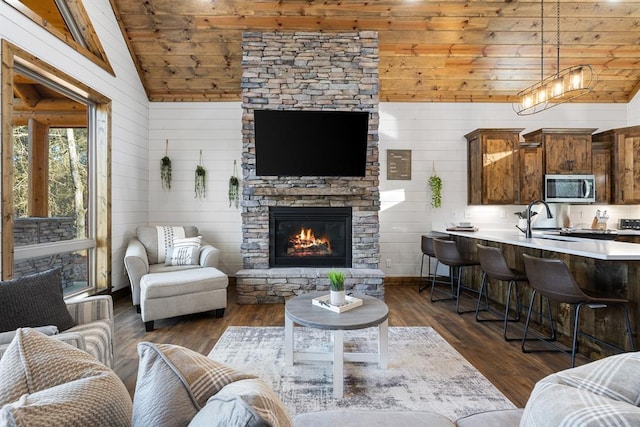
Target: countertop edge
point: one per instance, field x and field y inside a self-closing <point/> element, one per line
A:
<point x="591" y="248"/>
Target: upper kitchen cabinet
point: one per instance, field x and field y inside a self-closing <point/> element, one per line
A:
<point x="625" y="150"/>
<point x="531" y="172"/>
<point x="493" y="166"/>
<point x="565" y="150"/>
<point x="601" y="163"/>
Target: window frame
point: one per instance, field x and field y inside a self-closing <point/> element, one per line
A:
<point x="99" y="151"/>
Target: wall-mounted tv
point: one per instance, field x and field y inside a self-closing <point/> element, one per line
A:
<point x="311" y="143"/>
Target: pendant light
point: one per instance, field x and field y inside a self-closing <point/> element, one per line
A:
<point x="561" y="87"/>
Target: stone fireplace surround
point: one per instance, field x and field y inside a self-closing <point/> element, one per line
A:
<point x="312" y="71"/>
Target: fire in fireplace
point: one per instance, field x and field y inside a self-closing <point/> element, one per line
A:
<point x="309" y="237"/>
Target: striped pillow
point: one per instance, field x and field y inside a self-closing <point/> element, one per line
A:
<point x="174" y="383"/>
<point x="185" y="251"/>
<point x="604" y="392"/>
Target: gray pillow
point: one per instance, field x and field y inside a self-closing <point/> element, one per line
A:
<point x="232" y="411"/>
<point x="34" y="300"/>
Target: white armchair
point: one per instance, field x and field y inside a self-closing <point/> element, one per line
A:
<point x="159" y="290"/>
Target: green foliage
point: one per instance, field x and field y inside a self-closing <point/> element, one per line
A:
<point x="200" y="184"/>
<point x="62" y="189"/>
<point x="165" y="172"/>
<point x="336" y="280"/>
<point x="234" y="191"/>
<point x="435" y="184"/>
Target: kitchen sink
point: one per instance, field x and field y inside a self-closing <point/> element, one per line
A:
<point x="555" y="237"/>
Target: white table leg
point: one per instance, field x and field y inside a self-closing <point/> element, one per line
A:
<point x="383" y="344"/>
<point x="338" y="364"/>
<point x="288" y="341"/>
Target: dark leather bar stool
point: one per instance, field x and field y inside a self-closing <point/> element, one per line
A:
<point x="494" y="267"/>
<point x="426" y="245"/>
<point x="447" y="253"/>
<point x="552" y="280"/>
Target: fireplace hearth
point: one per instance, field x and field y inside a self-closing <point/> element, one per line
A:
<point x="310" y="237"/>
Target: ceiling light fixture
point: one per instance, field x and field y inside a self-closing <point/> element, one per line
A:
<point x="561" y="87"/>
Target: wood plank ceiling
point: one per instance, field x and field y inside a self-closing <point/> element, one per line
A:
<point x="433" y="51"/>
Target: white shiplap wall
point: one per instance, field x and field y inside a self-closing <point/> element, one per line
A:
<point x="434" y="133"/>
<point x="215" y="128"/>
<point x="130" y="112"/>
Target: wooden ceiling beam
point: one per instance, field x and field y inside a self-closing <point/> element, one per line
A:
<point x="27" y="93"/>
<point x="50" y="104"/>
<point x="51" y="119"/>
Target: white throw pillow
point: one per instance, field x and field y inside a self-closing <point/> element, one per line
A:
<point x="184" y="251"/>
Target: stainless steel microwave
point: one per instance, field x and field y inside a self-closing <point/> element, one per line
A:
<point x="570" y="188"/>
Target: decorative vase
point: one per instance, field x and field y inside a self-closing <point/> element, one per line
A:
<point x="337" y="297"/>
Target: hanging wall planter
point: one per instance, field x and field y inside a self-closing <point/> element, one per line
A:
<point x="165" y="168"/>
<point x="435" y="184"/>
<point x="200" y="180"/>
<point x="234" y="187"/>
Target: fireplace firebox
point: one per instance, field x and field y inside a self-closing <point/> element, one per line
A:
<point x="309" y="237"/>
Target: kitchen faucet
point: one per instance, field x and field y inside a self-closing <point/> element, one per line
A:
<point x="527" y="233"/>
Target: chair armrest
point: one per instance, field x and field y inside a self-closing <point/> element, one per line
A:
<point x="137" y="265"/>
<point x="97" y="308"/>
<point x="72" y="338"/>
<point x="209" y="256"/>
<point x="90" y="309"/>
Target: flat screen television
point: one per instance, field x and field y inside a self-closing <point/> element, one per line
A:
<point x="311" y="143"/>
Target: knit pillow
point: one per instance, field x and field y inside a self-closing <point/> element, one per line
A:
<point x="34" y="300"/>
<point x="184" y="251"/>
<point x="49" y="382"/>
<point x="174" y="383"/>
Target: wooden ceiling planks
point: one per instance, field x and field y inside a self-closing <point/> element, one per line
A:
<point x="454" y="51"/>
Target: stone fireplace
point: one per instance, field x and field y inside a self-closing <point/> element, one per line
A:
<point x="308" y="71"/>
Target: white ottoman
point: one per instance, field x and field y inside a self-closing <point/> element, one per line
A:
<point x="175" y="293"/>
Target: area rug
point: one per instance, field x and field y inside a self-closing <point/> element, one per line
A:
<point x="424" y="373"/>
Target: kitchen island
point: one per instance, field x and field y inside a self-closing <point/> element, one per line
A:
<point x="599" y="266"/>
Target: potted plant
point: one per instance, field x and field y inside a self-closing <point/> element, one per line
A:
<point x="336" y="285"/>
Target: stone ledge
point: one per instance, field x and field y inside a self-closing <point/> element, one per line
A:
<point x="276" y="285"/>
<point x="314" y="191"/>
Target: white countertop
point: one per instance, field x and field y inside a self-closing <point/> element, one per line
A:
<point x="590" y="248"/>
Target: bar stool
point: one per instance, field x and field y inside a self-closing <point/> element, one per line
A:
<point x="426" y="245"/>
<point x="447" y="253"/>
<point x="494" y="267"/>
<point x="552" y="280"/>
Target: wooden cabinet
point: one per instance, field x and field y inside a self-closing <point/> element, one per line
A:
<point x="531" y="172"/>
<point x="565" y="150"/>
<point x="601" y="163"/>
<point x="625" y="163"/>
<point x="493" y="166"/>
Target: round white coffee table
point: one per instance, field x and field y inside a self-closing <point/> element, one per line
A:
<point x="372" y="312"/>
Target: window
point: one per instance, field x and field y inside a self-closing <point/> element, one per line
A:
<point x="55" y="183"/>
<point x="68" y="21"/>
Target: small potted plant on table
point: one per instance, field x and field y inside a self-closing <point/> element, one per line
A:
<point x="336" y="284"/>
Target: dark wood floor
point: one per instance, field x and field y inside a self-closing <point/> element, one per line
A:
<point x="503" y="363"/>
